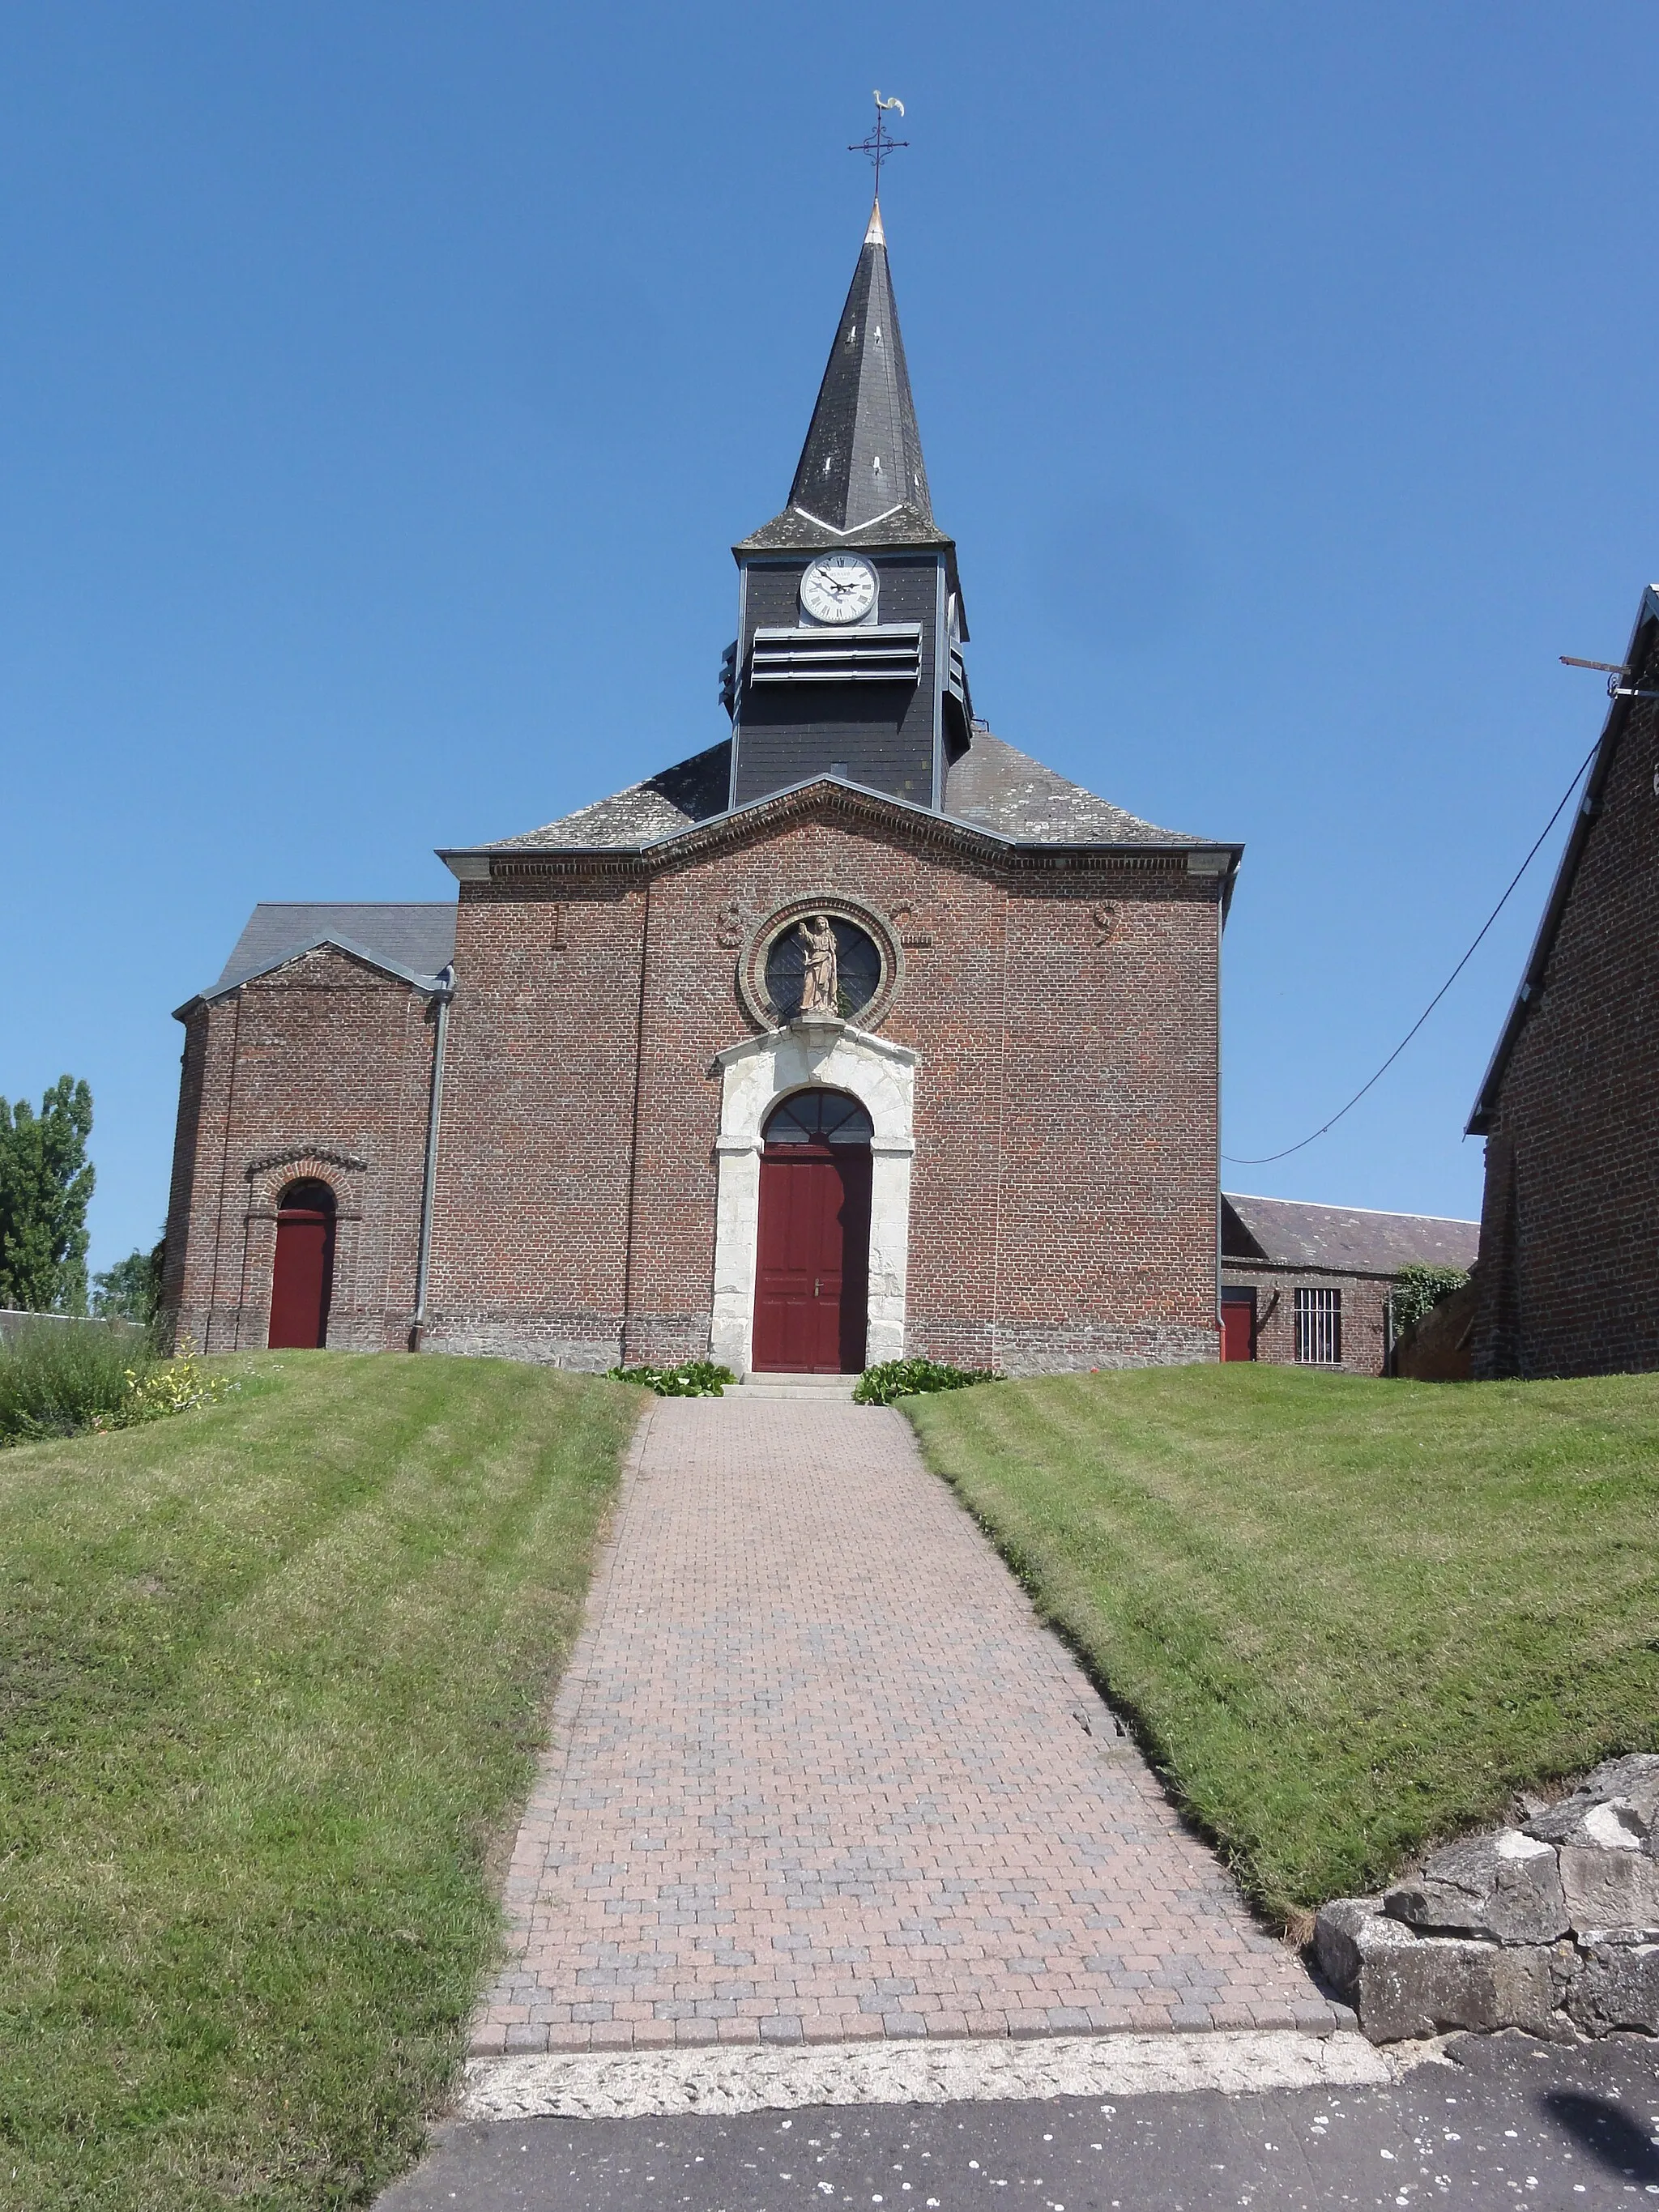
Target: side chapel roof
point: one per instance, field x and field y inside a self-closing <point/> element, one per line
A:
<point x="1642" y="661"/>
<point x="414" y="940"/>
<point x="1343" y="1239"/>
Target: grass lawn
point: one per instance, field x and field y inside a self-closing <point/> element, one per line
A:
<point x="1346" y="1617"/>
<point x="272" y="1675"/>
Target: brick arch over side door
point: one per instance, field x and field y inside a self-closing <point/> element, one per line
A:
<point x="754" y="1075"/>
<point x="267" y="1177"/>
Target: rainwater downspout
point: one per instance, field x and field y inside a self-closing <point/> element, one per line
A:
<point x="447" y="990"/>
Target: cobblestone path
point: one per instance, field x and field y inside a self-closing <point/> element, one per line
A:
<point x="818" y="1773"/>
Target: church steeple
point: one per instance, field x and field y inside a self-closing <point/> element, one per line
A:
<point x="862" y="457"/>
<point x="847" y="660"/>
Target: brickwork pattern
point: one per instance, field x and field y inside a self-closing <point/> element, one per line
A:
<point x="1567" y="1280"/>
<point x="322" y="1068"/>
<point x="817" y="1775"/>
<point x="1063" y="1207"/>
<point x="1364" y="1312"/>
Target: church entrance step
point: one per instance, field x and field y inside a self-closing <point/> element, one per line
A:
<point x="827" y="1389"/>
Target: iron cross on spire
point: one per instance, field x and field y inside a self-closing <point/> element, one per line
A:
<point x="878" y="145"/>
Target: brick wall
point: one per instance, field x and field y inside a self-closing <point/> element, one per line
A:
<point x="322" y="1069"/>
<point x="1570" y="1229"/>
<point x="1365" y="1311"/>
<point x="1064" y="1194"/>
<point x="1063" y="1207"/>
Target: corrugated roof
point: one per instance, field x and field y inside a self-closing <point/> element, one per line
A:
<point x="1346" y="1238"/>
<point x="418" y="939"/>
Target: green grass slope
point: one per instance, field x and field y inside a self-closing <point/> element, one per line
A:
<point x="1347" y="1617"/>
<point x="272" y="1675"/>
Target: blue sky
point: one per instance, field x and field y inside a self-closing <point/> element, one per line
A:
<point x="383" y="387"/>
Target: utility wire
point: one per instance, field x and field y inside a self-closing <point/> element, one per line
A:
<point x="1234" y="1160"/>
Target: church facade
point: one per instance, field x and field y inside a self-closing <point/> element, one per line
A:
<point x="856" y="1035"/>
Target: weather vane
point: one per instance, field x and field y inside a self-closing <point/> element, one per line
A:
<point x="878" y="145"/>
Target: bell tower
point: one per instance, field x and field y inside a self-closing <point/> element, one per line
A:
<point x="848" y="659"/>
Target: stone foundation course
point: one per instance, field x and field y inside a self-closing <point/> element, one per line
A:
<point x="1552" y="1927"/>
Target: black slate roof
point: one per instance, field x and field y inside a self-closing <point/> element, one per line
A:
<point x="793" y="531"/>
<point x="1344" y="1239"/>
<point x="677" y="798"/>
<point x="861" y="479"/>
<point x="991" y="786"/>
<point x="996" y="787"/>
<point x="415" y="938"/>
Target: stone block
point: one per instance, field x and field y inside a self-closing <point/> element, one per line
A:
<point x="1617" y="1986"/>
<point x="1506" y="1888"/>
<point x="1608" y="1887"/>
<point x="1404" y="1984"/>
<point x="1618" y="1807"/>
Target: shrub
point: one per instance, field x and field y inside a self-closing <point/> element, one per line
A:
<point x="1419" y="1289"/>
<point x="169" y="1386"/>
<point x="693" y="1378"/>
<point x="912" y="1378"/>
<point x="57" y="1378"/>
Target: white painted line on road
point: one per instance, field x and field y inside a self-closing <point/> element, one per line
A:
<point x="643" y="2084"/>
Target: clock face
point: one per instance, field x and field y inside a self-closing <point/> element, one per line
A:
<point x="838" y="587"/>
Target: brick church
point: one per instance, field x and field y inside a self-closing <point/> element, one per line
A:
<point x="855" y="1034"/>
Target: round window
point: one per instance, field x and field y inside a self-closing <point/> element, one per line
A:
<point x="802" y="967"/>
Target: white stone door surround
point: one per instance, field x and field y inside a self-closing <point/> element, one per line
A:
<point x="811" y="1055"/>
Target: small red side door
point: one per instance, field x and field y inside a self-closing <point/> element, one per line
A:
<point x="811" y="1288"/>
<point x="300" y="1280"/>
<point x="1238" y="1327"/>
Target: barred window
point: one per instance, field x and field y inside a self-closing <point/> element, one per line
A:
<point x="1319" y="1327"/>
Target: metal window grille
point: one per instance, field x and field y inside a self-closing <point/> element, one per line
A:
<point x="1319" y="1327"/>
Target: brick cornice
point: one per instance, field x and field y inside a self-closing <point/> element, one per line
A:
<point x="833" y="801"/>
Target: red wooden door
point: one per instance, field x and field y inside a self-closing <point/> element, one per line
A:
<point x="1238" y="1327"/>
<point x="301" y="1279"/>
<point x="812" y="1282"/>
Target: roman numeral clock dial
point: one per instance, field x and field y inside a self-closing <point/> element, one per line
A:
<point x="838" y="587"/>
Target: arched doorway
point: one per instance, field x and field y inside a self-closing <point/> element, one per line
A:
<point x="303" y="1278"/>
<point x="812" y="1280"/>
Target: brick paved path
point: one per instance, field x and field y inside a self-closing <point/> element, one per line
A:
<point x="818" y="1773"/>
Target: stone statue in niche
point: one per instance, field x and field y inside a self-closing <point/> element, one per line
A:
<point x="819" y="981"/>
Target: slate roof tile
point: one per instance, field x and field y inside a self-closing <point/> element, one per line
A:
<point x="1344" y="1239"/>
<point x="991" y="786"/>
<point x="418" y="936"/>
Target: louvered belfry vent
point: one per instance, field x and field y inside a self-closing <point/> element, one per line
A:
<point x="881" y="652"/>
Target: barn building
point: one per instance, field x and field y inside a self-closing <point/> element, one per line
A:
<point x="1569" y="1107"/>
<point x="1308" y="1285"/>
<point x="855" y="1033"/>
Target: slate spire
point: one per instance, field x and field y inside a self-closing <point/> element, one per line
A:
<point x="862" y="457"/>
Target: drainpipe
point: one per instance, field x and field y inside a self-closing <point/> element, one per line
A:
<point x="445" y="992"/>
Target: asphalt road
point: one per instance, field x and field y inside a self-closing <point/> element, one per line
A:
<point x="1511" y="2122"/>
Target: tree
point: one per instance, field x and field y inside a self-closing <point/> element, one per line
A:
<point x="46" y="1181"/>
<point x="131" y="1289"/>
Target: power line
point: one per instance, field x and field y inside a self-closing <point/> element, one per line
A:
<point x="1234" y="1160"/>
